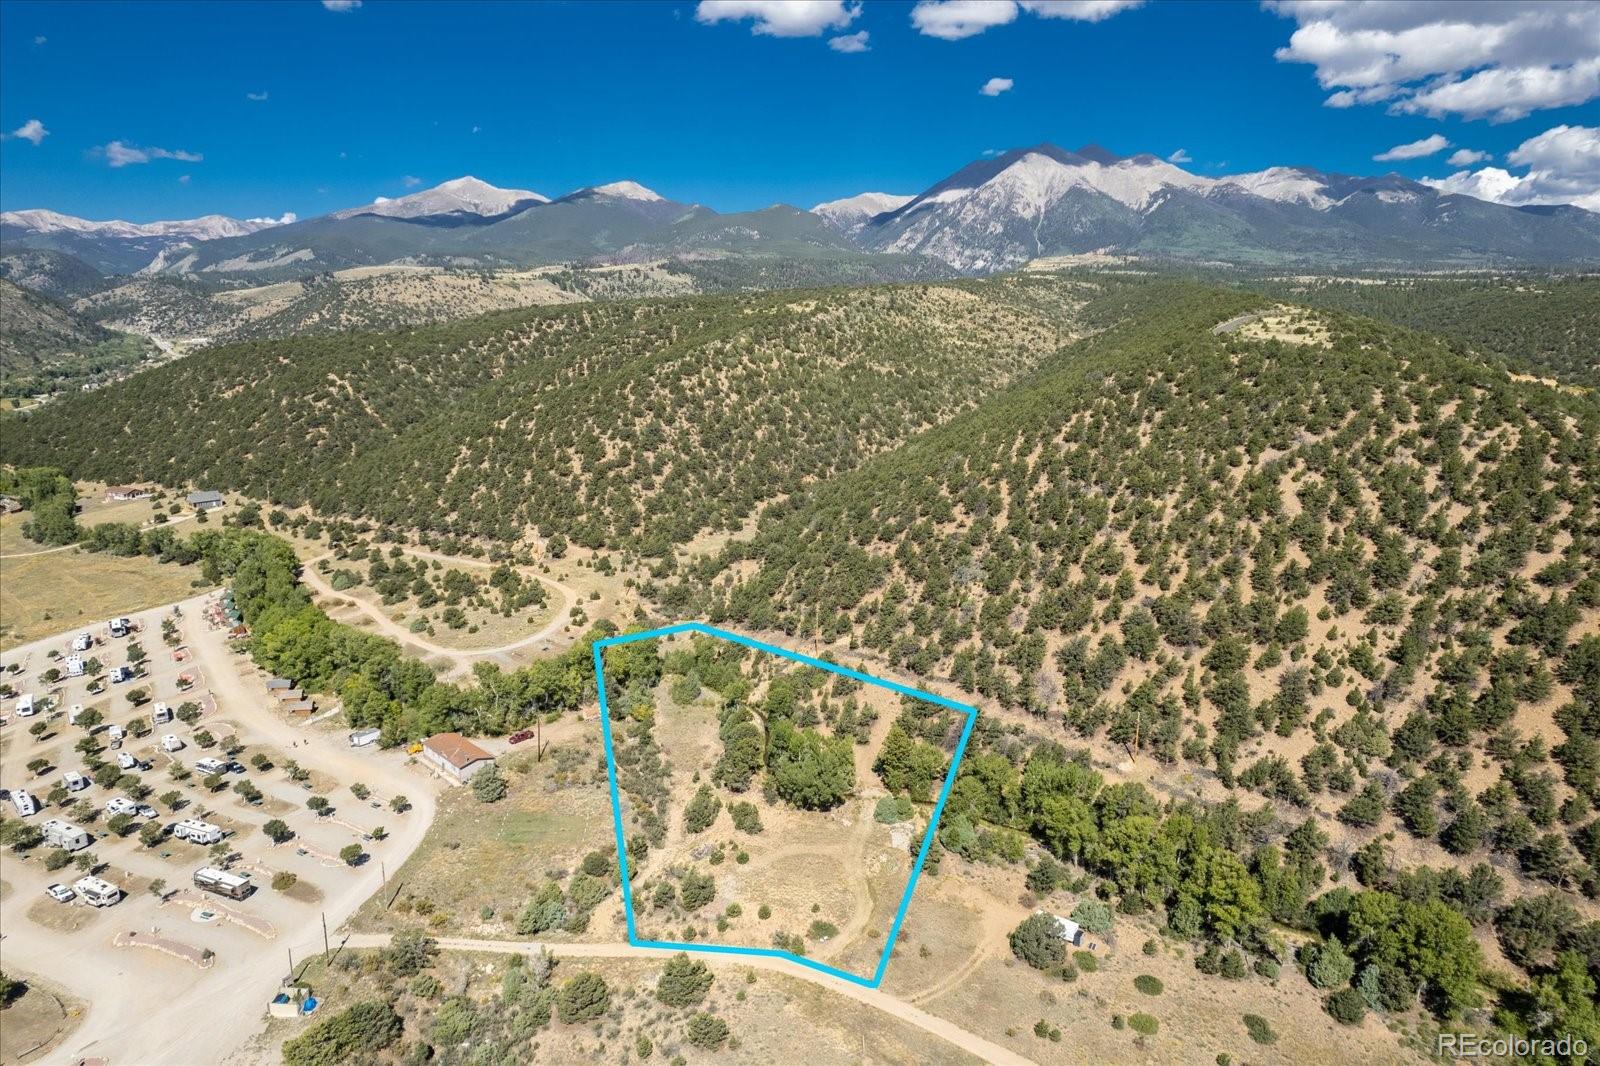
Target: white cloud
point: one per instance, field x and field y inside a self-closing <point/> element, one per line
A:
<point x="1465" y="157"/>
<point x="39" y="40"/>
<point x="411" y="181"/>
<point x="1430" y="145"/>
<point x="341" y="6"/>
<point x="282" y="220"/>
<point x="1180" y="156"/>
<point x="1497" y="59"/>
<point x="259" y="97"/>
<point x="1563" y="168"/>
<point x="477" y="129"/>
<point x="850" y="43"/>
<point x="119" y="154"/>
<point x="951" y="20"/>
<point x="380" y="199"/>
<point x="781" y="18"/>
<point x="32" y="131"/>
<point x="996" y="86"/>
<point x="183" y="179"/>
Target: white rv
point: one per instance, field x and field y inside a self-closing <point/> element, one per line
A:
<point x="115" y="733"/>
<point x="119" y="627"/>
<point x="25" y="707"/>
<point x="197" y="832"/>
<point x="74" y="781"/>
<point x="121" y="674"/>
<point x="121" y="805"/>
<point x="171" y="742"/>
<point x="126" y="761"/>
<point x="26" y="805"/>
<point x="97" y="893"/>
<point x="161" y="714"/>
<point x="73" y="712"/>
<point x="59" y="834"/>
<point x="222" y="882"/>
<point x="83" y="642"/>
<point x="363" y="737"/>
<point x="74" y="666"/>
<point x="211" y="766"/>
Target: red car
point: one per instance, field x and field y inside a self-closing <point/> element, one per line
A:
<point x="520" y="735"/>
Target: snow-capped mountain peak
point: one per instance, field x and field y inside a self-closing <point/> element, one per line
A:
<point x="1292" y="185"/>
<point x="626" y="190"/>
<point x="458" y="197"/>
<point x="852" y="212"/>
<point x="204" y="228"/>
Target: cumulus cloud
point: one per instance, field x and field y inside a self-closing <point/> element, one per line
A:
<point x="1180" y="156"/>
<point x="1465" y="157"/>
<point x="282" y="220"/>
<point x="951" y="20"/>
<point x="1430" y="145"/>
<point x="781" y="18"/>
<point x="1563" y="167"/>
<point x="850" y="43"/>
<point x="183" y="179"/>
<point x="32" y="131"/>
<point x="39" y="40"/>
<point x="1499" y="60"/>
<point x="259" y="97"/>
<point x="341" y="6"/>
<point x="996" y="86"/>
<point x="119" y="154"/>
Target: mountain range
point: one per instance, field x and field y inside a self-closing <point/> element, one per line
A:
<point x="993" y="214"/>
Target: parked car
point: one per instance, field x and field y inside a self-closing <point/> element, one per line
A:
<point x="61" y="893"/>
<point x="144" y="810"/>
<point x="520" y="735"/>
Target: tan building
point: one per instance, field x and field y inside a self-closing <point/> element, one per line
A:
<point x="455" y="756"/>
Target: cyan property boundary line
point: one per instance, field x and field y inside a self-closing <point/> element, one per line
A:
<point x="616" y="801"/>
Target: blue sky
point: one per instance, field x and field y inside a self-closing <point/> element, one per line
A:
<point x="739" y="112"/>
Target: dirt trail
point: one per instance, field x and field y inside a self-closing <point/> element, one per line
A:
<point x="64" y="547"/>
<point x="461" y="658"/>
<point x="948" y="1031"/>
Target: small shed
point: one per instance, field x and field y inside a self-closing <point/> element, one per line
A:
<point x="275" y="683"/>
<point x="1069" y="930"/>
<point x="204" y="500"/>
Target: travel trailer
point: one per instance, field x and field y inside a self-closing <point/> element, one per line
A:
<point x="222" y="882"/>
<point x="59" y="834"/>
<point x="127" y="761"/>
<point x="26" y="805"/>
<point x="171" y="742"/>
<point x="210" y="766"/>
<point x="74" y="666"/>
<point x="363" y="737"/>
<point x="74" y="781"/>
<point x="197" y="832"/>
<point x="82" y="642"/>
<point x="119" y="627"/>
<point x="97" y="893"/>
<point x="25" y="707"/>
<point x="161" y="714"/>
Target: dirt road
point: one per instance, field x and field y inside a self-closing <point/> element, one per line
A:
<point x="461" y="658"/>
<point x="872" y="997"/>
<point x="136" y="1015"/>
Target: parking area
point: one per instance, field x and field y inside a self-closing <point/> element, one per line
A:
<point x="187" y="737"/>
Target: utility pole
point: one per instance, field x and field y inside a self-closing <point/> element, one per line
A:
<point x="384" y="871"/>
<point x="325" y="949"/>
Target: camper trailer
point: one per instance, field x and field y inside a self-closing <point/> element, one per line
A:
<point x="208" y="767"/>
<point x="119" y="627"/>
<point x="83" y="642"/>
<point x="115" y="733"/>
<point x="97" y="893"/>
<point x="161" y="714"/>
<point x="74" y="666"/>
<point x="171" y="742"/>
<point x="121" y="805"/>
<point x="26" y="805"/>
<point x="25" y="707"/>
<point x="222" y="883"/>
<point x="59" y="834"/>
<point x="197" y="832"/>
<point x="73" y="781"/>
<point x="127" y="761"/>
<point x="363" y="737"/>
<point x="121" y="674"/>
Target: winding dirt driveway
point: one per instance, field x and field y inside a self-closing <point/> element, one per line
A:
<point x="948" y="1031"/>
<point x="461" y="659"/>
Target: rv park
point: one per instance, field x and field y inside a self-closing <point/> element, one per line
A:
<point x="158" y="952"/>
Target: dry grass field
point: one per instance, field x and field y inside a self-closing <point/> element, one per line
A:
<point x="54" y="591"/>
<point x="36" y="1020"/>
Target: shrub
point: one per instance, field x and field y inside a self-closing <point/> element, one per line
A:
<point x="489" y="784"/>
<point x="283" y="880"/>
<point x="702" y="810"/>
<point x="364" y="1028"/>
<point x="1329" y="965"/>
<point x="746" y="818"/>
<point x="1143" y="1024"/>
<point x="697" y="890"/>
<point x="1037" y="942"/>
<point x="583" y="998"/>
<point x="892" y="809"/>
<point x="821" y="930"/>
<point x="351" y="854"/>
<point x="1346" y="1006"/>
<point x="707" y="1031"/>
<point x="1087" y="962"/>
<point x="1093" y="916"/>
<point x="1150" y="986"/>
<point x="1233" y="965"/>
<point x="1259" y="1030"/>
<point x="684" y="982"/>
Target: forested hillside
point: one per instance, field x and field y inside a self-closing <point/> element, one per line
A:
<point x="1356" y="574"/>
<point x="44" y="344"/>
<point x="1549" y="325"/>
<point x="620" y="423"/>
